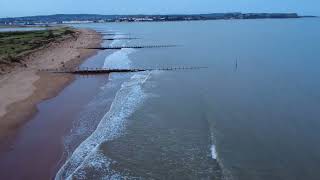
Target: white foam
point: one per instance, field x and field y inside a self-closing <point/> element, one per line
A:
<point x="112" y="125"/>
<point x="117" y="42"/>
<point x="213" y="152"/>
<point x="119" y="59"/>
<point x="101" y="164"/>
<point x="88" y="118"/>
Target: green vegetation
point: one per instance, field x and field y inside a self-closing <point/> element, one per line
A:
<point x="13" y="44"/>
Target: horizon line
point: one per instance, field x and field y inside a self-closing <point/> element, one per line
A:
<point x="156" y="14"/>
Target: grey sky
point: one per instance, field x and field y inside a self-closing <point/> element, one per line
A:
<point x="10" y="8"/>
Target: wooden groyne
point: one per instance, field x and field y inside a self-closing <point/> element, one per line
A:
<point x="92" y="71"/>
<point x="114" y="34"/>
<point x="134" y="47"/>
<point x="112" y="39"/>
<point x="110" y="34"/>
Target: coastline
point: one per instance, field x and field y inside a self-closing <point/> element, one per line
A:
<point x="24" y="87"/>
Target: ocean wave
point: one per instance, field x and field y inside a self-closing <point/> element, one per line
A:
<point x="118" y="42"/>
<point x="88" y="119"/>
<point x="119" y="59"/>
<point x="112" y="125"/>
<point x="86" y="122"/>
<point x="225" y="173"/>
<point x="213" y="152"/>
<point x="101" y="164"/>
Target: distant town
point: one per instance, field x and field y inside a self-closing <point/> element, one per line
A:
<point x="95" y="18"/>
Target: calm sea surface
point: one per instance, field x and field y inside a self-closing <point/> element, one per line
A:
<point x="254" y="113"/>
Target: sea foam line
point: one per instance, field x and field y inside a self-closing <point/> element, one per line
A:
<point x="82" y="126"/>
<point x="127" y="99"/>
<point x="119" y="59"/>
<point x="213" y="152"/>
<point x="112" y="125"/>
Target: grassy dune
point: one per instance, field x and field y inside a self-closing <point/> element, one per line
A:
<point x="13" y="45"/>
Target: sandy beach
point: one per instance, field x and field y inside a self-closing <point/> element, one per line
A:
<point x="24" y="87"/>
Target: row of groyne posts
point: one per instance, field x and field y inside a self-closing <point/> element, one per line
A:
<point x="88" y="71"/>
<point x="133" y="47"/>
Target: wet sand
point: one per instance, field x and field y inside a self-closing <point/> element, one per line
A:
<point x="37" y="151"/>
<point x="23" y="88"/>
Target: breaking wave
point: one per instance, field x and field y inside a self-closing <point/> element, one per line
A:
<point x="128" y="98"/>
<point x="112" y="125"/>
<point x="119" y="59"/>
<point x="213" y="152"/>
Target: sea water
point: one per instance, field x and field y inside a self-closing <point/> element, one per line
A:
<point x="252" y="114"/>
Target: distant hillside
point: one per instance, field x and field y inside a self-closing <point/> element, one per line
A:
<point x="63" y="18"/>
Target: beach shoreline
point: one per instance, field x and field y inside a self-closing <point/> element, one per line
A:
<point x="25" y="87"/>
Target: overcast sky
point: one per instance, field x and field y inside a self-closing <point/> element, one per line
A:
<point x="13" y="8"/>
